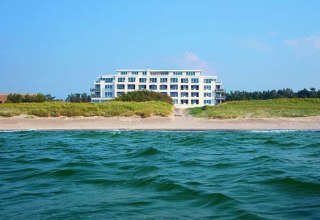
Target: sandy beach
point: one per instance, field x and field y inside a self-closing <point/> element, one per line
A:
<point x="25" y="122"/>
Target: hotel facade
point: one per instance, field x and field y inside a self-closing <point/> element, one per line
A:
<point x="187" y="88"/>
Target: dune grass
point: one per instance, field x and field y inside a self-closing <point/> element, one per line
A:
<point x="106" y="109"/>
<point x="296" y="107"/>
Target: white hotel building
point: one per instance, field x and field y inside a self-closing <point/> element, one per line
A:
<point x="187" y="88"/>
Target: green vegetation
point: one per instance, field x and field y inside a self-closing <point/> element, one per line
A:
<point x="106" y="109"/>
<point x="272" y="94"/>
<point x="18" y="98"/>
<point x="295" y="107"/>
<point x="77" y="97"/>
<point x="144" y="95"/>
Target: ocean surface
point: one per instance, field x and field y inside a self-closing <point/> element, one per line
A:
<point x="159" y="175"/>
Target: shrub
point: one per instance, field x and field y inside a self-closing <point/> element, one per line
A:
<point x="143" y="96"/>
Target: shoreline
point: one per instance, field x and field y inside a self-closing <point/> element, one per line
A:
<point x="173" y="123"/>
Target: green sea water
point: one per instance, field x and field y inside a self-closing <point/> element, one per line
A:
<point x="159" y="175"/>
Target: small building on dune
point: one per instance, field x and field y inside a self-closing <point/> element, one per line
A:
<point x="3" y="97"/>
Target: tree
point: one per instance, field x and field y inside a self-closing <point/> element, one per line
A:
<point x="77" y="97"/>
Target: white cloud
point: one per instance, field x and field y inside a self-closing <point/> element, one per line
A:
<point x="190" y="60"/>
<point x="305" y="43"/>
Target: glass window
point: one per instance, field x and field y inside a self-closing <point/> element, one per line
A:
<point x="153" y="87"/>
<point x="142" y="87"/>
<point x="207" y="87"/>
<point x="208" y="80"/>
<point x="184" y="80"/>
<point x="177" y="73"/>
<point x="194" y="87"/>
<point x="184" y="101"/>
<point x="194" y="94"/>
<point x="173" y="94"/>
<point x="163" y="80"/>
<point x="194" y="101"/>
<point x="184" y="94"/>
<point x="143" y="80"/>
<point x="124" y="73"/>
<point x="207" y="102"/>
<point x="134" y="73"/>
<point x="184" y="87"/>
<point x="144" y="73"/>
<point x="131" y="86"/>
<point x="174" y="101"/>
<point x="108" y="94"/>
<point x="207" y="94"/>
<point x="163" y="87"/>
<point x="108" y="80"/>
<point x="131" y="79"/>
<point x="174" y="80"/>
<point x="191" y="73"/>
<point x="120" y="93"/>
<point x="174" y="87"/>
<point x="120" y="86"/>
<point x="153" y="80"/>
<point x="121" y="79"/>
<point x="194" y="80"/>
<point x="108" y="86"/>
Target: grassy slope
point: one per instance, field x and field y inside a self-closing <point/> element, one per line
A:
<point x="261" y="108"/>
<point x="107" y="109"/>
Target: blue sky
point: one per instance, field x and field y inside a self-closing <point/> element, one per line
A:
<point x="61" y="46"/>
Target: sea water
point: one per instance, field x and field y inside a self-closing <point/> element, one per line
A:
<point x="159" y="175"/>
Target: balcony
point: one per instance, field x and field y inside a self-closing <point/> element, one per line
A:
<point x="220" y="97"/>
<point x="95" y="90"/>
<point x="220" y="90"/>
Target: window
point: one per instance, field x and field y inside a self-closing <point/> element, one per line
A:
<point x="207" y="94"/>
<point x="153" y="80"/>
<point x="184" y="94"/>
<point x="164" y="93"/>
<point x="142" y="87"/>
<point x="163" y="87"/>
<point x="120" y="93"/>
<point x="120" y="86"/>
<point x="184" y="87"/>
<point x="184" y="101"/>
<point x="174" y="101"/>
<point x="207" y="87"/>
<point x="121" y="79"/>
<point x="207" y="102"/>
<point x="177" y="73"/>
<point x="108" y="80"/>
<point x="134" y="73"/>
<point x="194" y="101"/>
<point x="194" y="94"/>
<point x="108" y="86"/>
<point x="131" y="79"/>
<point x="174" y="87"/>
<point x="174" y="80"/>
<point x="123" y="73"/>
<point x="194" y="80"/>
<point x="131" y="86"/>
<point x="144" y="73"/>
<point x="218" y="87"/>
<point x="143" y="80"/>
<point x="173" y="94"/>
<point x="153" y="87"/>
<point x="108" y="94"/>
<point x="194" y="87"/>
<point x="184" y="80"/>
<point x="208" y="80"/>
<point x="163" y="80"/>
<point x="191" y="73"/>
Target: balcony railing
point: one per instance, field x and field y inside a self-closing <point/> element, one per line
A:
<point x="220" y="97"/>
<point x="220" y="90"/>
<point x="94" y="90"/>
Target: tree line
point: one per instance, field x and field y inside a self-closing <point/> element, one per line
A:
<point x="19" y="98"/>
<point x="272" y="94"/>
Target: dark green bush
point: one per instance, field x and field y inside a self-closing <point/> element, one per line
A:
<point x="143" y="96"/>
